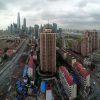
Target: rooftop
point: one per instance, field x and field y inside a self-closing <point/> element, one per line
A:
<point x="30" y="62"/>
<point x="79" y="67"/>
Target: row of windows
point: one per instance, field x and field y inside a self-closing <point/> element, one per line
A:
<point x="65" y="84"/>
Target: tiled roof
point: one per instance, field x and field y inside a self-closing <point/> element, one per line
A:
<point x="9" y="52"/>
<point x="79" y="67"/>
<point x="30" y="62"/>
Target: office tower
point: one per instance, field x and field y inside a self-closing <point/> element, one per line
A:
<point x="41" y="28"/>
<point x="18" y="20"/>
<point x="30" y="30"/>
<point x="48" y="50"/>
<point x="54" y="28"/>
<point x="24" y="30"/>
<point x="11" y="28"/>
<point x="15" y="28"/>
<point x="36" y="30"/>
<point x="24" y="23"/>
<point x="60" y="32"/>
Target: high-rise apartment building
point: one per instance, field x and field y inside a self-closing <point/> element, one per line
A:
<point x="48" y="50"/>
<point x="89" y="42"/>
<point x="94" y="40"/>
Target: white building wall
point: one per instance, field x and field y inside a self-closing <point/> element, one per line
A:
<point x="72" y="88"/>
<point x="73" y="61"/>
<point x="88" y="80"/>
<point x="73" y="91"/>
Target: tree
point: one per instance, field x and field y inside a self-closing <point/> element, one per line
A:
<point x="5" y="57"/>
<point x="5" y="50"/>
<point x="59" y="42"/>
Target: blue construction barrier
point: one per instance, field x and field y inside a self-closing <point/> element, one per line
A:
<point x="43" y="86"/>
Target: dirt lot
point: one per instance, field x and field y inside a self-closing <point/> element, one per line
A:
<point x="8" y="44"/>
<point x="5" y="43"/>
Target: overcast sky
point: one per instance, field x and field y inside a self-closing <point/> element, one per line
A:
<point x="77" y="14"/>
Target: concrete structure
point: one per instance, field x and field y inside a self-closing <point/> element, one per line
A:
<point x="99" y="44"/>
<point x="48" y="50"/>
<point x="95" y="40"/>
<point x="62" y="52"/>
<point x="89" y="42"/>
<point x="86" y="44"/>
<point x="84" y="47"/>
<point x="68" y="83"/>
<point x="36" y="31"/>
<point x="18" y="20"/>
<point x="31" y="67"/>
<point x="54" y="27"/>
<point x="76" y="46"/>
<point x="49" y="95"/>
<point x="83" y="77"/>
<point x="9" y="52"/>
<point x="80" y="75"/>
<point x="24" y="23"/>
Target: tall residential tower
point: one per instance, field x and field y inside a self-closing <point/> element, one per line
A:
<point x="48" y="50"/>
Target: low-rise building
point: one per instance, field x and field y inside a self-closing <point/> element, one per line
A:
<point x="83" y="77"/>
<point x="68" y="83"/>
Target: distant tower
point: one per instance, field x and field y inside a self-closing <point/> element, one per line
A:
<point x="54" y="28"/>
<point x="36" y="31"/>
<point x="48" y="50"/>
<point x="64" y="42"/>
<point x="18" y="20"/>
<point x="24" y="23"/>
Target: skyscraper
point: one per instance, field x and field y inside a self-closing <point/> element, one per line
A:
<point x="15" y="28"/>
<point x="54" y="27"/>
<point x="48" y="50"/>
<point x="36" y="30"/>
<point x="18" y="20"/>
<point x="24" y="23"/>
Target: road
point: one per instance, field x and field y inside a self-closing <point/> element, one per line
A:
<point x="6" y="72"/>
<point x="9" y="60"/>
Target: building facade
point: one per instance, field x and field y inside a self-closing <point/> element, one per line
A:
<point x="18" y="20"/>
<point x="68" y="83"/>
<point x="36" y="31"/>
<point x="89" y="42"/>
<point x="48" y="50"/>
<point x="83" y="77"/>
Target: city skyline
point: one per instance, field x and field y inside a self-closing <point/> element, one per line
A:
<point x="76" y="14"/>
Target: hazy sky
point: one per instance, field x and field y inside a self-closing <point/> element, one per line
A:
<point x="66" y="13"/>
